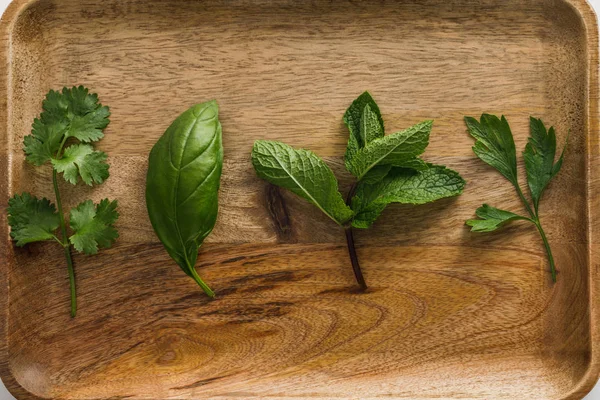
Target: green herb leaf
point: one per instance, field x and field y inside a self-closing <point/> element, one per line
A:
<point x="182" y="184"/>
<point x="93" y="225"/>
<point x="400" y="149"/>
<point x="492" y="218"/>
<point x="539" y="159"/>
<point x="31" y="219"/>
<point x="494" y="144"/>
<point x="82" y="160"/>
<point x="364" y="123"/>
<point x="404" y="186"/>
<point x="79" y="109"/>
<point x="44" y="141"/>
<point x="302" y="172"/>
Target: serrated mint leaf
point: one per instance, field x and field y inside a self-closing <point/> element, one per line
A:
<point x="82" y="160"/>
<point x="31" y="219"/>
<point x="491" y="218"/>
<point x="539" y="156"/>
<point x="404" y="186"/>
<point x="93" y="225"/>
<point x="303" y="173"/>
<point x="364" y="123"/>
<point x="400" y="149"/>
<point x="364" y="129"/>
<point x="376" y="174"/>
<point x="494" y="144"/>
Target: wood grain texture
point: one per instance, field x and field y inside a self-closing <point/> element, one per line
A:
<point x="449" y="314"/>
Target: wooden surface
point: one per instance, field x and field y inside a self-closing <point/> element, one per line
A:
<point x="449" y="314"/>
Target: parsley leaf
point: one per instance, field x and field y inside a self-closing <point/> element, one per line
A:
<point x="492" y="218"/>
<point x="539" y="156"/>
<point x="404" y="186"/>
<point x="31" y="219"/>
<point x="93" y="226"/>
<point x="82" y="160"/>
<point x="302" y="172"/>
<point x="495" y="146"/>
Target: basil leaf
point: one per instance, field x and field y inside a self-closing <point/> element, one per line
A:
<point x="182" y="184"/>
<point x="302" y="172"/>
<point x="404" y="186"/>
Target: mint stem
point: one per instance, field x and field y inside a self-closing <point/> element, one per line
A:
<point x="351" y="248"/>
<point x="66" y="246"/>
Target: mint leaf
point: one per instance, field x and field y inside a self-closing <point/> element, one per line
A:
<point x="400" y="149"/>
<point x="82" y="160"/>
<point x="539" y="156"/>
<point x="494" y="144"/>
<point x="492" y="218"/>
<point x="363" y="120"/>
<point x="31" y="219"/>
<point x="302" y="172"/>
<point x="403" y="186"/>
<point x="93" y="225"/>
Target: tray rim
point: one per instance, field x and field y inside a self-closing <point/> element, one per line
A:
<point x="592" y="159"/>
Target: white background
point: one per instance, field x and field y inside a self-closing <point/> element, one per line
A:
<point x="5" y="395"/>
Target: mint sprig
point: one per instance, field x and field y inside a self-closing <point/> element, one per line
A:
<point x="388" y="169"/>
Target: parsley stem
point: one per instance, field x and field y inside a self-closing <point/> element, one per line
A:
<point x="548" y="250"/>
<point x="65" y="243"/>
<point x="525" y="202"/>
<point x="351" y="248"/>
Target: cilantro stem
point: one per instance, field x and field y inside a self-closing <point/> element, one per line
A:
<point x="548" y="250"/>
<point x="63" y="230"/>
<point x="351" y="248"/>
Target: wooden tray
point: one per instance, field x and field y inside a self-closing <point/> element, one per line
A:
<point x="450" y="314"/>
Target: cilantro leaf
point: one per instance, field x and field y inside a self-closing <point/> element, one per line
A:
<point x="302" y="172"/>
<point x="404" y="186"/>
<point x="400" y="149"/>
<point x="82" y="160"/>
<point x="492" y="218"/>
<point x="494" y="144"/>
<point x="93" y="226"/>
<point x="539" y="159"/>
<point x="31" y="219"/>
<point x="85" y="116"/>
<point x="71" y="113"/>
<point x="44" y="141"/>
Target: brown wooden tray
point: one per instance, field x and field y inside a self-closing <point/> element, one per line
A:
<point x="450" y="314"/>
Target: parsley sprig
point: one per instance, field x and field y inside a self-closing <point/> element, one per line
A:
<point x="63" y="136"/>
<point x="494" y="145"/>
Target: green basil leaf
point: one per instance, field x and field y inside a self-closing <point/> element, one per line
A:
<point x="182" y="184"/>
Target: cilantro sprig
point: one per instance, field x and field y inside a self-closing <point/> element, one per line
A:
<point x="63" y="136"/>
<point x="495" y="146"/>
<point x="388" y="169"/>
